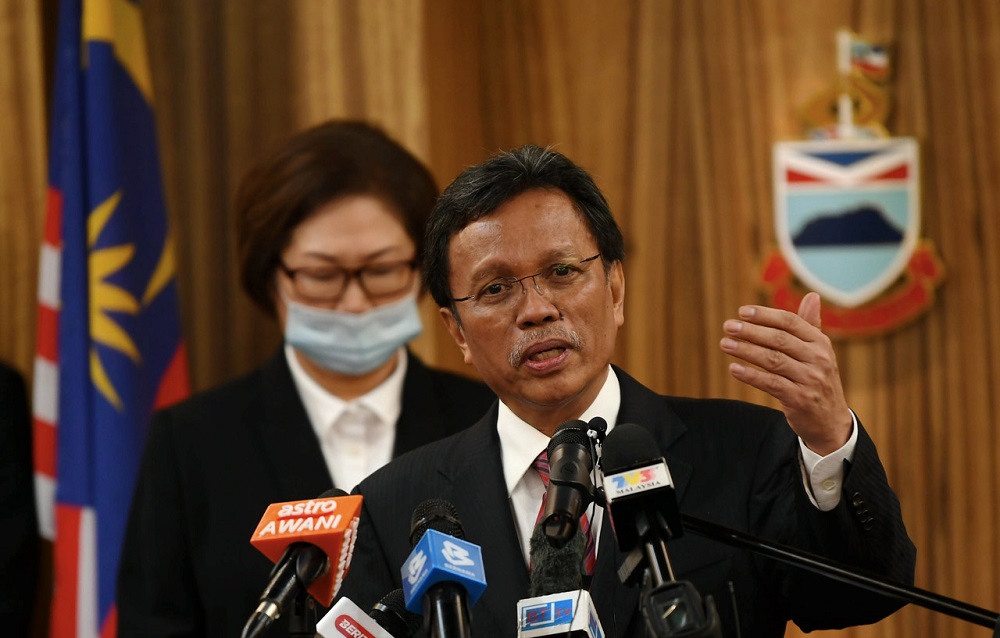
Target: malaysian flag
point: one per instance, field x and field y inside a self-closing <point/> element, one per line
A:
<point x="109" y="348"/>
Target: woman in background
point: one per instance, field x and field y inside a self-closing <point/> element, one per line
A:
<point x="330" y="229"/>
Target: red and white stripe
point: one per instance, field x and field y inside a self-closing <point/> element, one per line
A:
<point x="74" y="602"/>
<point x="45" y="399"/>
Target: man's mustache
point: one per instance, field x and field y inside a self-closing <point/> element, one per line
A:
<point x="529" y="339"/>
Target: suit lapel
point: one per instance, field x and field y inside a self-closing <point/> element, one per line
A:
<point x="479" y="493"/>
<point x="289" y="445"/>
<point x="642" y="406"/>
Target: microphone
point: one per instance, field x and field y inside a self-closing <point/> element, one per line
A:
<point x="642" y="505"/>
<point x="558" y="605"/>
<point x="310" y="543"/>
<point x="443" y="575"/>
<point x="392" y="614"/>
<point x="387" y="619"/>
<point x="638" y="483"/>
<point x="571" y="488"/>
<point x="555" y="569"/>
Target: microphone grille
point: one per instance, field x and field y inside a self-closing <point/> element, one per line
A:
<point x="392" y="615"/>
<point x="553" y="569"/>
<point x="437" y="514"/>
<point x="333" y="492"/>
<point x="572" y="432"/>
<point x="628" y="445"/>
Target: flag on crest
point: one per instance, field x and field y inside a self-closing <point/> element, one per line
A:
<point x="871" y="60"/>
<point x="109" y="348"/>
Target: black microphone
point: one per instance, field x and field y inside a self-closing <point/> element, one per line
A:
<point x="642" y="506"/>
<point x="391" y="614"/>
<point x="443" y="572"/>
<point x="637" y="480"/>
<point x="571" y="487"/>
<point x="309" y="546"/>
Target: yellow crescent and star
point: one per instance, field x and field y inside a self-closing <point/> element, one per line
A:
<point x="119" y="24"/>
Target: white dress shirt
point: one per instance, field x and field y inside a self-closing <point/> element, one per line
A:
<point x="356" y="436"/>
<point x="520" y="444"/>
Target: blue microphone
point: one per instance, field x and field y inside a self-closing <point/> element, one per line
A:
<point x="443" y="576"/>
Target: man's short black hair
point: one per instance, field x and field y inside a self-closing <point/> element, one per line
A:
<point x="481" y="189"/>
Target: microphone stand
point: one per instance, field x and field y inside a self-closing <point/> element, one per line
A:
<point x="830" y="569"/>
<point x="302" y="617"/>
<point x="671" y="608"/>
<point x="816" y="564"/>
<point x="674" y="609"/>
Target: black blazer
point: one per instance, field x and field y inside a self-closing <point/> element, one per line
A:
<point x="19" y="531"/>
<point x="211" y="466"/>
<point x="733" y="463"/>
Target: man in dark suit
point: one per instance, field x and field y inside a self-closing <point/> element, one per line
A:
<point x="329" y="229"/>
<point x="18" y="524"/>
<point x="525" y="261"/>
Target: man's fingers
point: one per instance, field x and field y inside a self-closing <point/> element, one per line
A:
<point x="783" y="320"/>
<point x="756" y="337"/>
<point x="773" y="384"/>
<point x="809" y="309"/>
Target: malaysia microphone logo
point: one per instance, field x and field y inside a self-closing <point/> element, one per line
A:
<point x="415" y="568"/>
<point x="456" y="555"/>
<point x="638" y="480"/>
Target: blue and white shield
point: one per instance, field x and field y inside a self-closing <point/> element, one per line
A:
<point x="847" y="213"/>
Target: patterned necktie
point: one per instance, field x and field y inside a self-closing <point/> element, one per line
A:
<point x="541" y="465"/>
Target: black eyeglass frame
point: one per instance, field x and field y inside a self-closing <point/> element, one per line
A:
<point x="357" y="274"/>
<point x="517" y="280"/>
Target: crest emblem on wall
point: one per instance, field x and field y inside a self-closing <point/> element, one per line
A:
<point x="847" y="214"/>
<point x="847" y="207"/>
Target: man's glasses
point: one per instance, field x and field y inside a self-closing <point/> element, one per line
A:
<point x="550" y="281"/>
<point x="326" y="284"/>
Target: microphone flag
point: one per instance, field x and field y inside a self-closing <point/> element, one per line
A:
<point x="561" y="614"/>
<point x="328" y="523"/>
<point x="347" y="620"/>
<point x="439" y="557"/>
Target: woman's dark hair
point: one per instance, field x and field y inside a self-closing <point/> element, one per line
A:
<point x="480" y="190"/>
<point x="313" y="168"/>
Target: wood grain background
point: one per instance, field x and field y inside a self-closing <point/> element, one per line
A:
<point x="673" y="105"/>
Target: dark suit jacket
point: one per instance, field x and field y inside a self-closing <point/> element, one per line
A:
<point x="213" y="464"/>
<point x="733" y="463"/>
<point x="18" y="524"/>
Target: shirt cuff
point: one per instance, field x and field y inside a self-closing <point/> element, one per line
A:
<point x="823" y="476"/>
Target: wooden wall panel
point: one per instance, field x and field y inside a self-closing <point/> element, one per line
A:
<point x="268" y="69"/>
<point x="23" y="152"/>
<point x="369" y="60"/>
<point x="22" y="178"/>
<point x="220" y="71"/>
<point x="673" y="106"/>
<point x="711" y="86"/>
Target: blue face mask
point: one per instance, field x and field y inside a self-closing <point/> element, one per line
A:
<point x="351" y="343"/>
